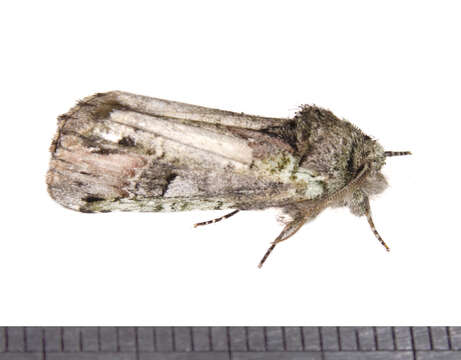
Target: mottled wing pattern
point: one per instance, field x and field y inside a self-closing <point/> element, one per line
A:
<point x="119" y="151"/>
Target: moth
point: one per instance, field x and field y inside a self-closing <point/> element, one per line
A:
<point x="120" y="151"/>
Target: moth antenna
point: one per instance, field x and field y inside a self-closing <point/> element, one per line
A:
<point x="397" y="153"/>
<point x="373" y="228"/>
<point x="266" y="255"/>
<point x="292" y="227"/>
<point x="351" y="186"/>
<point x="227" y="216"/>
<point x="288" y="231"/>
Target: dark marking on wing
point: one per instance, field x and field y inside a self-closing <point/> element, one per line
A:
<point x="169" y="179"/>
<point x="91" y="199"/>
<point x="105" y="151"/>
<point x="127" y="141"/>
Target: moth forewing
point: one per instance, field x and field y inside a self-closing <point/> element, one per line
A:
<point x="120" y="151"/>
<point x="201" y="114"/>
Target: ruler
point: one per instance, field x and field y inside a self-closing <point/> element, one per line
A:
<point x="230" y="343"/>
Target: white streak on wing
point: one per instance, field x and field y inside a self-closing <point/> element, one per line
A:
<point x="223" y="145"/>
<point x="178" y="110"/>
<point x="109" y="136"/>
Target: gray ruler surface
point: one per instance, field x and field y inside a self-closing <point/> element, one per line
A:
<point x="230" y="343"/>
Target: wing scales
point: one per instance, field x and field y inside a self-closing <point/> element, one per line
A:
<point x="119" y="151"/>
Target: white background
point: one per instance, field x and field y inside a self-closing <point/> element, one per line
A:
<point x="392" y="68"/>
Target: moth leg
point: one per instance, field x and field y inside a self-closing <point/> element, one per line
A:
<point x="289" y="230"/>
<point x="372" y="226"/>
<point x="217" y="219"/>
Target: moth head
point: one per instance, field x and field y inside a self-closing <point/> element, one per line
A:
<point x="374" y="157"/>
